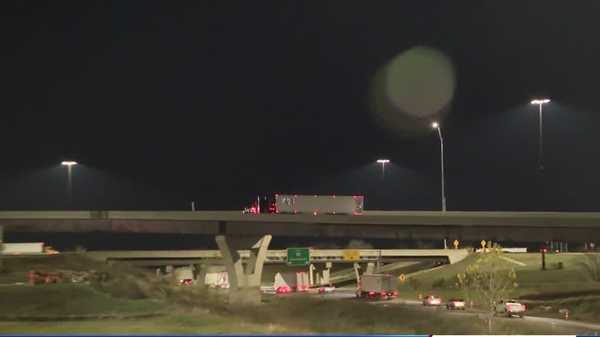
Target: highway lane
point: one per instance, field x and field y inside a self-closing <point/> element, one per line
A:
<point x="347" y="293"/>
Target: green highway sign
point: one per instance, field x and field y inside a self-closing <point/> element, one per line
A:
<point x="298" y="256"/>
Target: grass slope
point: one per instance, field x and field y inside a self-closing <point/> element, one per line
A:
<point x="567" y="288"/>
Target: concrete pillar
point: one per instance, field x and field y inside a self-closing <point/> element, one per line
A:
<point x="357" y="273"/>
<point x="244" y="285"/>
<point x="326" y="274"/>
<point x="326" y="279"/>
<point x="200" y="274"/>
<point x="222" y="227"/>
<point x="370" y="268"/>
<point x="233" y="263"/>
<point x="254" y="266"/>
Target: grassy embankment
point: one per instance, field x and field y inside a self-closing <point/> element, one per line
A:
<point x="135" y="302"/>
<point x="545" y="292"/>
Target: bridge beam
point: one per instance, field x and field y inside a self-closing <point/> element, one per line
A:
<point x="244" y="285"/>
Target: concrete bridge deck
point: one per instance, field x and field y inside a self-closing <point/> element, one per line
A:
<point x="280" y="256"/>
<point x="423" y="218"/>
<point x="468" y="227"/>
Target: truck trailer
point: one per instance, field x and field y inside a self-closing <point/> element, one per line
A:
<point x="382" y="286"/>
<point x="287" y="282"/>
<point x="308" y="204"/>
<point x="318" y="204"/>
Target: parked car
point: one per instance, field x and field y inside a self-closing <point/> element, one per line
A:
<point x="511" y="308"/>
<point x="455" y="304"/>
<point x="432" y="300"/>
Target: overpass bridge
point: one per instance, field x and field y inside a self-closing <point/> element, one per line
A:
<point x="183" y="257"/>
<point x="400" y="225"/>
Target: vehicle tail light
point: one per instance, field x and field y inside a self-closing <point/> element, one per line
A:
<point x="371" y="293"/>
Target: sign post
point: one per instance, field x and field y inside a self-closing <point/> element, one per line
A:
<point x="543" y="252"/>
<point x="298" y="256"/>
<point x="402" y="278"/>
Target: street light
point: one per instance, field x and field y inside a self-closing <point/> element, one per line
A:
<point x="436" y="126"/>
<point x="383" y="162"/>
<point x="69" y="164"/>
<point x="540" y="102"/>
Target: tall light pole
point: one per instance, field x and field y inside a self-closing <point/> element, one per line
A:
<point x="540" y="103"/>
<point x="436" y="126"/>
<point x="69" y="165"/>
<point x="383" y="162"/>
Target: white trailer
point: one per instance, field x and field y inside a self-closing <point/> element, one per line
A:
<point x="291" y="281"/>
<point x="184" y="275"/>
<point x="217" y="279"/>
<point x="319" y="204"/>
<point x="22" y="248"/>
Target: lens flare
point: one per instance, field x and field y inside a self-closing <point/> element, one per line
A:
<point x="411" y="89"/>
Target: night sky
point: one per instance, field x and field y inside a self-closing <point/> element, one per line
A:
<point x="165" y="102"/>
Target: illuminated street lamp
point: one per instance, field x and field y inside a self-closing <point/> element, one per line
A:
<point x="540" y="102"/>
<point x="436" y="126"/>
<point x="69" y="165"/>
<point x="383" y="162"/>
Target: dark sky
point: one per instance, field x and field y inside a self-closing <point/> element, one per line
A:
<point x="164" y="102"/>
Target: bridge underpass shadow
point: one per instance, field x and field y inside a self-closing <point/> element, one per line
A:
<point x="345" y="275"/>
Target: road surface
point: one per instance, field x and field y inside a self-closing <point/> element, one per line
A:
<point x="348" y="293"/>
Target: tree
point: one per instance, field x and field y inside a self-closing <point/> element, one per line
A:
<point x="488" y="280"/>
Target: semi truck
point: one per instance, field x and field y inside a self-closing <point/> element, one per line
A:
<point x="218" y="279"/>
<point x="308" y="204"/>
<point x="377" y="286"/>
<point x="184" y="275"/>
<point x="287" y="282"/>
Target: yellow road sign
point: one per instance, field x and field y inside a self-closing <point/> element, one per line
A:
<point x="482" y="243"/>
<point x="402" y="278"/>
<point x="351" y="255"/>
<point x="455" y="243"/>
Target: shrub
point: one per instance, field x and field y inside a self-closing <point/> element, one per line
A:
<point x="415" y="283"/>
<point x="439" y="283"/>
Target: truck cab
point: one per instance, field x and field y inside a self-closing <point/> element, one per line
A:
<point x="262" y="205"/>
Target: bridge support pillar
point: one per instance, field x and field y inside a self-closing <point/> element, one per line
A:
<point x="244" y="284"/>
<point x="1" y="248"/>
